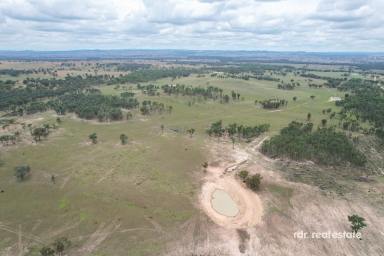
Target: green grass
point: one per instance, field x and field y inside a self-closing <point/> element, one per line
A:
<point x="150" y="178"/>
<point x="200" y="115"/>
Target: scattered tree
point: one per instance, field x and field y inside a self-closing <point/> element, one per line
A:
<point x="39" y="132"/>
<point x="123" y="139"/>
<point x="357" y="222"/>
<point x="253" y="182"/>
<point x="233" y="142"/>
<point x="21" y="172"/>
<point x="47" y="251"/>
<point x="93" y="138"/>
<point x="191" y="132"/>
<point x="243" y="175"/>
<point x="61" y="244"/>
<point x="324" y="122"/>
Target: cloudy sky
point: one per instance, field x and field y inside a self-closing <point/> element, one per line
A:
<point x="305" y="25"/>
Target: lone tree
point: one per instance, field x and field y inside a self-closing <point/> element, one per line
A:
<point x="191" y="132"/>
<point x="123" y="139"/>
<point x="233" y="142"/>
<point x="324" y="122"/>
<point x="93" y="137"/>
<point x="39" y="132"/>
<point x="294" y="98"/>
<point x="21" y="172"/>
<point x="313" y="97"/>
<point x="47" y="251"/>
<point x="357" y="222"/>
<point x="309" y="117"/>
<point x="243" y="175"/>
<point x="61" y="244"/>
<point x="253" y="182"/>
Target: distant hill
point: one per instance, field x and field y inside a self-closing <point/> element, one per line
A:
<point x="262" y="56"/>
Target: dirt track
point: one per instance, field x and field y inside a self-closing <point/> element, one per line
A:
<point x="268" y="220"/>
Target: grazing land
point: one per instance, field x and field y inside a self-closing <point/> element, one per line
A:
<point x="122" y="156"/>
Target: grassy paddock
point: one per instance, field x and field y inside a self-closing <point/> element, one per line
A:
<point x="139" y="192"/>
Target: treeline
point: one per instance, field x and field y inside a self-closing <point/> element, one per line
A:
<point x="254" y="68"/>
<point x="324" y="146"/>
<point x="146" y="75"/>
<point x="150" y="107"/>
<point x="123" y="67"/>
<point x="330" y="81"/>
<point x="287" y="86"/>
<point x="149" y="89"/>
<point x="16" y="72"/>
<point x="209" y="92"/>
<point x="272" y="103"/>
<point x="241" y="131"/>
<point x="246" y="76"/>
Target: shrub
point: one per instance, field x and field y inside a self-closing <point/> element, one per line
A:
<point x="253" y="182"/>
<point x="243" y="175"/>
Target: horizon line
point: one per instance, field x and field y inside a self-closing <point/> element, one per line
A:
<point x="191" y="50"/>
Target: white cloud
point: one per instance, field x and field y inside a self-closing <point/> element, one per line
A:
<point x="317" y="25"/>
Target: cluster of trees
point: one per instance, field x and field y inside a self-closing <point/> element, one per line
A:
<point x="241" y="131"/>
<point x="92" y="106"/>
<point x="312" y="85"/>
<point x="149" y="89"/>
<point x="8" y="138"/>
<point x="209" y="92"/>
<point x="324" y="146"/>
<point x="366" y="103"/>
<point x="149" y="107"/>
<point x="35" y="89"/>
<point x="272" y="103"/>
<point x="6" y="85"/>
<point x="287" y="86"/>
<point x="56" y="248"/>
<point x="127" y="94"/>
<point x="252" y="182"/>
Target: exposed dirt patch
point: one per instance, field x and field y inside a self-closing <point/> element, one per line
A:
<point x="277" y="212"/>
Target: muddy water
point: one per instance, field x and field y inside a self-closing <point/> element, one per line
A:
<point x="223" y="203"/>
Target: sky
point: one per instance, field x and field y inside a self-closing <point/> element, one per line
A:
<point x="274" y="25"/>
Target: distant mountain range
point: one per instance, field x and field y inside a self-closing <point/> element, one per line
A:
<point x="262" y="56"/>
